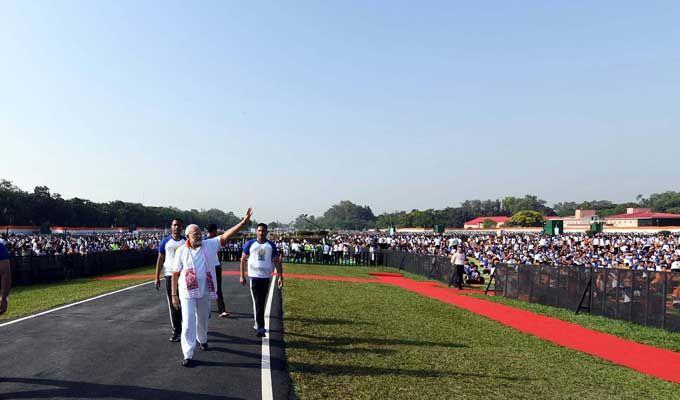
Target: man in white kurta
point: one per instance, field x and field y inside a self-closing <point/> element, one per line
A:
<point x="194" y="284"/>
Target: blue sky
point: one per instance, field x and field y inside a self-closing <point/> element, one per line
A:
<point x="294" y="108"/>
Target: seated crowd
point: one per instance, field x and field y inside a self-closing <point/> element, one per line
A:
<point x="633" y="251"/>
<point x="20" y="245"/>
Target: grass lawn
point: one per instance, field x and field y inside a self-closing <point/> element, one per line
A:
<point x="367" y="341"/>
<point x="25" y="300"/>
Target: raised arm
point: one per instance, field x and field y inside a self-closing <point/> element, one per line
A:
<point x="234" y="229"/>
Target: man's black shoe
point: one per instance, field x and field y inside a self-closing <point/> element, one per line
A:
<point x="204" y="346"/>
<point x="260" y="332"/>
<point x="188" y="363"/>
<point x="174" y="338"/>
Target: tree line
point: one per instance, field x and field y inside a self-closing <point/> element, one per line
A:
<point x="526" y="211"/>
<point x="43" y="208"/>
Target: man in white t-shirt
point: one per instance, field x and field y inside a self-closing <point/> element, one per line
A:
<point x="458" y="260"/>
<point x="260" y="256"/>
<point x="194" y="284"/>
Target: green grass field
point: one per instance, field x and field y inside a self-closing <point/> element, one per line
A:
<point x="347" y="271"/>
<point x="367" y="341"/>
<point x="25" y="300"/>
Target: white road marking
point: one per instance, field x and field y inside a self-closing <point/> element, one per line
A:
<point x="267" y="391"/>
<point x="72" y="304"/>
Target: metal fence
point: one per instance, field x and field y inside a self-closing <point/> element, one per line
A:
<point x="363" y="258"/>
<point x="644" y="297"/>
<point x="429" y="266"/>
<point x="55" y="268"/>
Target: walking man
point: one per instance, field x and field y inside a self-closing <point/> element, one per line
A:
<point x="5" y="278"/>
<point x="458" y="260"/>
<point x="214" y="259"/>
<point x="166" y="254"/>
<point x="260" y="257"/>
<point x="194" y="284"/>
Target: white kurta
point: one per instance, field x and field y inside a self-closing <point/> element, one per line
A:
<point x="195" y="310"/>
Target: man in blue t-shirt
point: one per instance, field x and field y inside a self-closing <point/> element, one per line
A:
<point x="260" y="256"/>
<point x="5" y="278"/>
<point x="166" y="254"/>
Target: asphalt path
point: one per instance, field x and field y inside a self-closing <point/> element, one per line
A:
<point x="116" y="347"/>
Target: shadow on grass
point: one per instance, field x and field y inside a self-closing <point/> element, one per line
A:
<point x="352" y="370"/>
<point x="344" y="341"/>
<point x="341" y="350"/>
<point x="328" y="321"/>
<point x="83" y="390"/>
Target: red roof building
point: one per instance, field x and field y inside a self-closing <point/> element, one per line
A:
<point x="478" y="223"/>
<point x="636" y="217"/>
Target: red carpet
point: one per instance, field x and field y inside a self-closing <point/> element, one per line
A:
<point x="664" y="364"/>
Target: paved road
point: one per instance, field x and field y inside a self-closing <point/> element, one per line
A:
<point x="117" y="347"/>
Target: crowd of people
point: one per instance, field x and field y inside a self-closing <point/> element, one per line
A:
<point x="634" y="251"/>
<point x="19" y="245"/>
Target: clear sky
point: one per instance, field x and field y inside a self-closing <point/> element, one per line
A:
<point x="294" y="107"/>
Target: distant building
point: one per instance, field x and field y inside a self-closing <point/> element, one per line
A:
<point x="580" y="220"/>
<point x="641" y="217"/>
<point x="478" y="223"/>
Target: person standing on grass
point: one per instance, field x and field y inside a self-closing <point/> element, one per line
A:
<point x="194" y="284"/>
<point x="458" y="260"/>
<point x="5" y="278"/>
<point x="214" y="259"/>
<point x="166" y="254"/>
<point x="260" y="257"/>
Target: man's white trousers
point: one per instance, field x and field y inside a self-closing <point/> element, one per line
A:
<point x="195" y="313"/>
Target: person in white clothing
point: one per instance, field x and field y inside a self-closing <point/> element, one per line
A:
<point x="458" y="261"/>
<point x="194" y="285"/>
<point x="259" y="258"/>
